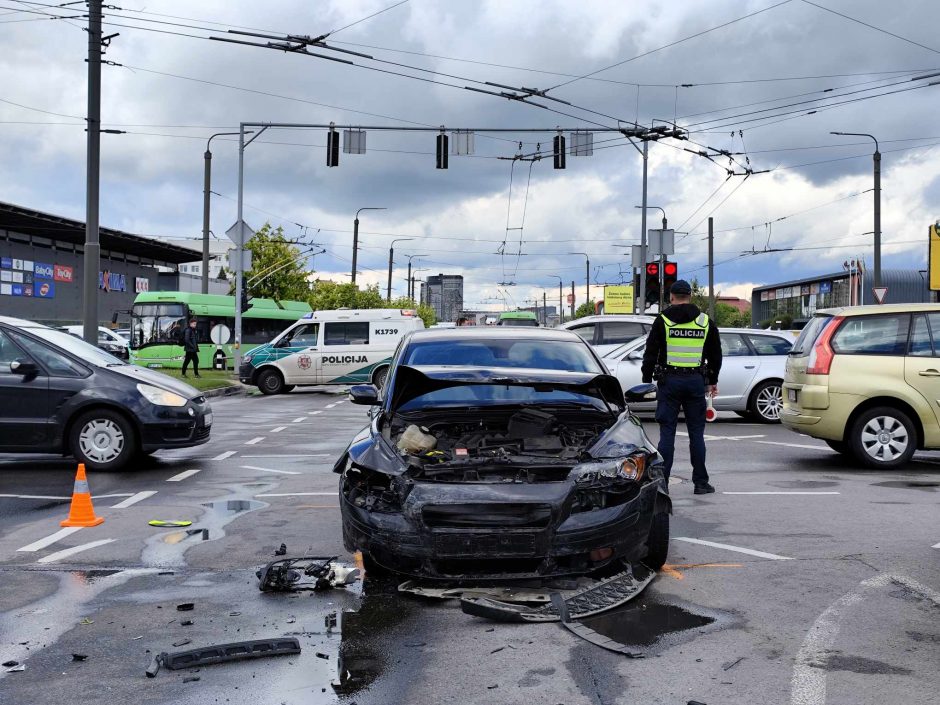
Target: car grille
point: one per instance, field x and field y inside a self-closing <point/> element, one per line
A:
<point x="487" y="516"/>
<point x="473" y="544"/>
<point x="202" y="432"/>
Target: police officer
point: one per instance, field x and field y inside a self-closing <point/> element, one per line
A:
<point x="683" y="354"/>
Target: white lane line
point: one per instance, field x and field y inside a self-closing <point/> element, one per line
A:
<point x="314" y="413"/>
<point x="223" y="456"/>
<point x="49" y="540"/>
<point x="329" y="406"/>
<point x="338" y="402"/>
<point x="300" y="494"/>
<point x="253" y="441"/>
<point x="738" y="549"/>
<point x="299" y="419"/>
<point x="66" y="552"/>
<point x="183" y="475"/>
<point x="793" y="445"/>
<point x="808" y="685"/>
<point x="46" y="496"/>
<point x="282" y="472"/>
<point x="134" y="499"/>
<point x="278" y="429"/>
<point x="936" y="545"/>
<point x="780" y="493"/>
<point x="294" y="455"/>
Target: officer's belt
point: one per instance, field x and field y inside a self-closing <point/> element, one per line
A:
<point x="670" y="370"/>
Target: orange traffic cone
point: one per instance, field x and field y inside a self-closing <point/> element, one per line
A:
<point x="81" y="513"/>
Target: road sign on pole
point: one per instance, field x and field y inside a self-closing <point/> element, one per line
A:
<point x="933" y="260"/>
<point x="879" y="292"/>
<point x="245" y="231"/>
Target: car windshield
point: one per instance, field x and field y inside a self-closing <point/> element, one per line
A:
<point x="469" y="395"/>
<point x="76" y="346"/>
<point x="567" y="355"/>
<point x="531" y="322"/>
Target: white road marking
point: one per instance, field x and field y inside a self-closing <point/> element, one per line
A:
<point x="300" y="494"/>
<point x="46" y="496"/>
<point x="808" y="685"/>
<point x="299" y="419"/>
<point x="339" y="402"/>
<point x="936" y="545"/>
<point x="283" y="472"/>
<point x="780" y="493"/>
<point x="293" y="455"/>
<point x="51" y="539"/>
<point x="226" y="454"/>
<point x="313" y="413"/>
<point x="134" y="499"/>
<point x="66" y="552"/>
<point x="330" y="406"/>
<point x="709" y="437"/>
<point x="253" y="441"/>
<point x="793" y="445"/>
<point x="183" y="475"/>
<point x="278" y="429"/>
<point x="738" y="549"/>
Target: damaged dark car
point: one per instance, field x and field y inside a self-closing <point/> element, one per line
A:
<point x="502" y="454"/>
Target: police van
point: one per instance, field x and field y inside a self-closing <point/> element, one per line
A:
<point x="344" y="346"/>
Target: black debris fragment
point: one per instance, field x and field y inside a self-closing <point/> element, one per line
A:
<point x="492" y="687"/>
<point x="183" y="642"/>
<point x="185" y="607"/>
<point x="186" y="623"/>
<point x="323" y="656"/>
<point x="695" y="702"/>
<point x="414" y="644"/>
<point x="79" y="657"/>
<point x="732" y="664"/>
<point x="282" y="551"/>
<point x="497" y="650"/>
<point x="222" y="653"/>
<point x="154" y="668"/>
<point x="10" y="664"/>
<point x="586" y="633"/>
<point x="305" y="573"/>
<point x="190" y="679"/>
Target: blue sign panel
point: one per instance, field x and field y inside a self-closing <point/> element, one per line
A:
<point x="17" y="290"/>
<point x="44" y="290"/>
<point x="825" y="287"/>
<point x="6" y="262"/>
<point x="42" y="270"/>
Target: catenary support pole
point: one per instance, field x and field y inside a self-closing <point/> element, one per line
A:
<point x="641" y="299"/>
<point x="544" y="308"/>
<point x="572" y="299"/>
<point x="355" y="251"/>
<point x="711" y="268"/>
<point x="206" y="189"/>
<point x="876" y="159"/>
<point x="239" y="247"/>
<point x="93" y="172"/>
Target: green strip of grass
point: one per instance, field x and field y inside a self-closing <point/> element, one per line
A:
<point x="208" y="379"/>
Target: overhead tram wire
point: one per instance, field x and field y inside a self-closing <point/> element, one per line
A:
<point x="871" y="26"/>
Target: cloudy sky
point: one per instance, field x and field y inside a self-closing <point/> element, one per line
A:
<point x="764" y="80"/>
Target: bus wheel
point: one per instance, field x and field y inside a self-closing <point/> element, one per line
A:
<point x="270" y="381"/>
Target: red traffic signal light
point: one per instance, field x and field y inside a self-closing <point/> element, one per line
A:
<point x="670" y="269"/>
<point x="652" y="269"/>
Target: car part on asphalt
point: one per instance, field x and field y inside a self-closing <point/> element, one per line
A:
<point x="282" y="550"/>
<point x="586" y="633"/>
<point x="600" y="597"/>
<point x="185" y="607"/>
<point x="169" y="523"/>
<point x="503" y="593"/>
<point x="222" y="653"/>
<point x="305" y="573"/>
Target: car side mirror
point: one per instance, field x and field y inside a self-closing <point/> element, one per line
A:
<point x="635" y="355"/>
<point x="26" y="368"/>
<point x="640" y="392"/>
<point x="365" y="394"/>
<point x="282" y="343"/>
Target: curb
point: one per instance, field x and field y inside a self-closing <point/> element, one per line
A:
<point x="237" y="389"/>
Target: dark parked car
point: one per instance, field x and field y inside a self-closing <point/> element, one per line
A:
<point x="60" y="394"/>
<point x="502" y="453"/>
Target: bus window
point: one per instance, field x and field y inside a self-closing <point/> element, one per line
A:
<point x="157" y="323"/>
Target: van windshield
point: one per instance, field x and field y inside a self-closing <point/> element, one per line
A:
<point x="808" y="336"/>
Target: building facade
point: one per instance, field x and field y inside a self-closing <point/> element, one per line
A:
<point x="799" y="299"/>
<point x="444" y="293"/>
<point x="42" y="267"/>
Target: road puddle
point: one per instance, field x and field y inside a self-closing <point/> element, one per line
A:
<point x="648" y="623"/>
<point x="909" y="485"/>
<point x="803" y="484"/>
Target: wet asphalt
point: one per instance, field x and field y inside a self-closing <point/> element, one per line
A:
<point x="834" y="599"/>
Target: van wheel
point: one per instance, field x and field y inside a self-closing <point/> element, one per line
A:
<point x="883" y="437"/>
<point x="657" y="543"/>
<point x="270" y="381"/>
<point x="766" y="402"/>
<point x="102" y="440"/>
<point x="379" y="377"/>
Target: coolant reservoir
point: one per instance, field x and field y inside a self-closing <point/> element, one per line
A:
<point x="416" y="440"/>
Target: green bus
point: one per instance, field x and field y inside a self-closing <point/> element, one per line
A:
<point x="518" y="318"/>
<point x="158" y="319"/>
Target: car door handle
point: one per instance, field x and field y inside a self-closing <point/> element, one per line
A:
<point x="929" y="373"/>
<point x="311" y="349"/>
<point x="749" y="367"/>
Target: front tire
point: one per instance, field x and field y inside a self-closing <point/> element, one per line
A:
<point x="270" y="381"/>
<point x="657" y="542"/>
<point x="102" y="440"/>
<point x="883" y="437"/>
<point x="766" y="402"/>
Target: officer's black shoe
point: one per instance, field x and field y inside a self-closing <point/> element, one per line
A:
<point x="704" y="489"/>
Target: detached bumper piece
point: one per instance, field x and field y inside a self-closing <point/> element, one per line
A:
<point x="605" y="595"/>
<point x="586" y="633"/>
<point x="222" y="653"/>
<point x="305" y="573"/>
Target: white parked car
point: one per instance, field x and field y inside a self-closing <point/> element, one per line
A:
<point x="108" y="340"/>
<point x="752" y="371"/>
<point x="608" y="332"/>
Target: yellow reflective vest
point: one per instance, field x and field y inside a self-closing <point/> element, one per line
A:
<point x="685" y="342"/>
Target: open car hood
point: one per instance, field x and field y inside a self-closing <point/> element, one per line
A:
<point x="412" y="382"/>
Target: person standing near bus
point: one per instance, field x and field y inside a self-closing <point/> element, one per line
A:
<point x="191" y="348"/>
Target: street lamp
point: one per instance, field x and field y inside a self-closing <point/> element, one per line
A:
<point x="391" y="255"/>
<point x="206" y="194"/>
<point x="876" y="161"/>
<point x="411" y="293"/>
<point x="587" y="272"/>
<point x="356" y="236"/>
<point x="561" y="308"/>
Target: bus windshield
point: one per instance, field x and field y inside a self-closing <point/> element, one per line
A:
<point x="153" y="324"/>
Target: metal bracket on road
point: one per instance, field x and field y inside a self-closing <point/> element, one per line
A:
<point x="600" y="597"/>
<point x="209" y="655"/>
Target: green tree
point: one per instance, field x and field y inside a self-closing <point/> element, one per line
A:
<point x="585" y="309"/>
<point x="328" y="295"/>
<point x="277" y="267"/>
<point x="425" y="313"/>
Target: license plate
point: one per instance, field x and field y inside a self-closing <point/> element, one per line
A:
<point x="791" y="395"/>
<point x="207" y="420"/>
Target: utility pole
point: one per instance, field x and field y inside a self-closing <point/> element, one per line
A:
<point x="544" y="308"/>
<point x="587" y="271"/>
<point x="355" y="253"/>
<point x="391" y="259"/>
<point x="206" y="196"/>
<point x="411" y="283"/>
<point x="711" y="268"/>
<point x="642" y="297"/>
<point x="572" y="299"/>
<point x="662" y="256"/>
<point x="93" y="169"/>
<point x="876" y="166"/>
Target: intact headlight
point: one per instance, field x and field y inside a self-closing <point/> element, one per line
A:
<point x="630" y="468"/>
<point x="160" y="397"/>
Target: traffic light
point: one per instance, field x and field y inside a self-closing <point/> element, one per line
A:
<point x="652" y="283"/>
<point x="558" y="151"/>
<point x="441" y="151"/>
<point x="332" y="148"/>
<point x="670" y="274"/>
<point x="245" y="301"/>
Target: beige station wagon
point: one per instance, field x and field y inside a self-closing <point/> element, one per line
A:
<point x="866" y="380"/>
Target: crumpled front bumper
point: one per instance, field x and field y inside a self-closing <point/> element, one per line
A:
<point x="496" y="531"/>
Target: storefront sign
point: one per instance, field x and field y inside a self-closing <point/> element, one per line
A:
<point x="42" y="270"/>
<point x="27" y="289"/>
<point x="618" y="299"/>
<point x="141" y="284"/>
<point x="6" y="262"/>
<point x="111" y="281"/>
<point x="44" y="290"/>
<point x="6" y="276"/>
<point x="63" y="274"/>
<point x="6" y="289"/>
<point x="17" y="290"/>
<point x="825" y="287"/>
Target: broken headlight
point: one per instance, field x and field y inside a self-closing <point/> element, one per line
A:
<point x="630" y="468"/>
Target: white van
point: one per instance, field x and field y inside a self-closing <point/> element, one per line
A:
<point x="344" y="346"/>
